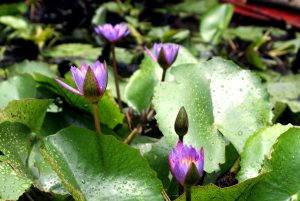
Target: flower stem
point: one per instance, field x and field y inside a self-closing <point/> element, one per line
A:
<point x="188" y="193"/>
<point x="132" y="135"/>
<point x="116" y="77"/>
<point x="96" y="118"/>
<point x="163" y="75"/>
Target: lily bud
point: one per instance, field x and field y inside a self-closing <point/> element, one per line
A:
<point x="164" y="54"/>
<point x="181" y="123"/>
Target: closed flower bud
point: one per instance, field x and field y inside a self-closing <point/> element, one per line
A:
<point x="181" y="123"/>
<point x="164" y="54"/>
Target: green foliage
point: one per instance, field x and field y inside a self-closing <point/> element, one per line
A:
<point x="216" y="96"/>
<point x="140" y="88"/>
<point x="257" y="147"/>
<point x="12" y="184"/>
<point x="98" y="167"/>
<point x="286" y="90"/>
<point x="108" y="109"/>
<point x="73" y="50"/>
<point x="215" y="22"/>
<point x="283" y="163"/>
<point x="18" y="87"/>
<point x="31" y="67"/>
<point x="237" y="192"/>
<point x="30" y="112"/>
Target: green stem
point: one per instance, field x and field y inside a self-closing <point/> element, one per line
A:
<point x="188" y="193"/>
<point x="163" y="75"/>
<point x="116" y="77"/>
<point x="236" y="166"/>
<point x="132" y="135"/>
<point x="96" y="118"/>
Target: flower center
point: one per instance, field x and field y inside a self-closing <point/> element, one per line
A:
<point x="187" y="161"/>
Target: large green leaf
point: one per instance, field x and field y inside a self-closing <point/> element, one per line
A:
<point x="14" y="22"/>
<point x="98" y="167"/>
<point x="156" y="152"/>
<point x="13" y="8"/>
<point x="257" y="147"/>
<point x="31" y="67"/>
<point x="140" y="88"/>
<point x="17" y="87"/>
<point x="215" y="22"/>
<point x="282" y="183"/>
<point x="238" y="192"/>
<point x="108" y="109"/>
<point x="13" y="185"/>
<point x="219" y="98"/>
<point x="30" y="112"/>
<point x="19" y="146"/>
<point x="73" y="50"/>
<point x="286" y="90"/>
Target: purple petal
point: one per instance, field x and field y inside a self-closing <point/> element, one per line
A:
<point x="157" y="47"/>
<point x="150" y="54"/>
<point x="180" y="171"/>
<point x="78" y="78"/>
<point x="68" y="87"/>
<point x="83" y="69"/>
<point x="170" y="51"/>
<point x="100" y="71"/>
<point x="112" y="33"/>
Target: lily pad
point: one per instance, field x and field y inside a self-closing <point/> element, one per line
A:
<point x="17" y="87"/>
<point x="282" y="183"/>
<point x="13" y="185"/>
<point x="257" y="147"/>
<point x="140" y="88"/>
<point x="99" y="167"/>
<point x="238" y="192"/>
<point x="215" y="22"/>
<point x="31" y="67"/>
<point x="30" y="112"/>
<point x="221" y="100"/>
<point x="20" y="149"/>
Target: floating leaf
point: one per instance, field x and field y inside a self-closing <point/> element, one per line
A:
<point x="13" y="185"/>
<point x="18" y="87"/>
<point x="282" y="183"/>
<point x="257" y="147"/>
<point x="215" y="22"/>
<point x="218" y="97"/>
<point x="30" y="112"/>
<point x="286" y="90"/>
<point x="238" y="192"/>
<point x="73" y="50"/>
<point x="31" y="67"/>
<point x="98" y="167"/>
<point x="16" y="143"/>
<point x="156" y="153"/>
<point x="139" y="90"/>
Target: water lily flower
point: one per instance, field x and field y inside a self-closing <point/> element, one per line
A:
<point x="186" y="164"/>
<point x="164" y="54"/>
<point x="91" y="81"/>
<point x="112" y="33"/>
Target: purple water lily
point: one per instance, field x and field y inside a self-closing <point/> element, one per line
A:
<point x="181" y="159"/>
<point x="164" y="54"/>
<point x="99" y="71"/>
<point x="112" y="33"/>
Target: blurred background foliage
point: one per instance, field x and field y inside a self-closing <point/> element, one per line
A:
<point x="40" y="39"/>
